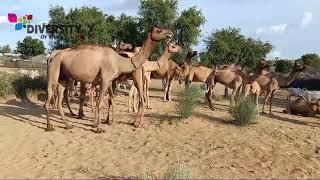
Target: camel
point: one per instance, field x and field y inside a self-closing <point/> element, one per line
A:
<point x="261" y="82"/>
<point x="301" y="106"/>
<point x="271" y="82"/>
<point x="150" y="66"/>
<point x="89" y="63"/>
<point x="230" y="76"/>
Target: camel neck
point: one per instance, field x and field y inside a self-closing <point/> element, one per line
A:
<point x="291" y="77"/>
<point x="145" y="51"/>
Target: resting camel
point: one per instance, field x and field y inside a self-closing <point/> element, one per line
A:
<point x="89" y="63"/>
<point x="162" y="63"/>
<point x="301" y="106"/>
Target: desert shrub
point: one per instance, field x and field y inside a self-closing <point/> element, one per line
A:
<point x="24" y="84"/>
<point x="189" y="99"/>
<point x="6" y="87"/>
<point x="180" y="170"/>
<point x="244" y="112"/>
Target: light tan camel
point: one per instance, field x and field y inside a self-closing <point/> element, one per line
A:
<point x="149" y="67"/>
<point x="89" y="63"/>
<point x="267" y="81"/>
<point x="301" y="106"/>
<point x="231" y="76"/>
<point x="261" y="82"/>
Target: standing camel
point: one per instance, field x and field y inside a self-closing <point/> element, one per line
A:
<point x="149" y="67"/>
<point x="230" y="76"/>
<point x="88" y="63"/>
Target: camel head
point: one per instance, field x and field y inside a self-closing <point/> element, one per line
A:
<point x="191" y="53"/>
<point x="124" y="46"/>
<point x="158" y="34"/>
<point x="299" y="67"/>
<point x="263" y="65"/>
<point x="173" y="48"/>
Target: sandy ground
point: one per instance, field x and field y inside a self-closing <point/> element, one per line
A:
<point x="277" y="146"/>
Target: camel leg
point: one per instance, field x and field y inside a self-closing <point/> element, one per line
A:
<point x="61" y="90"/>
<point x="48" y="105"/>
<point x="110" y="105"/>
<point x="271" y="98"/>
<point x="131" y="96"/>
<point x="169" y="89"/>
<point x="66" y="99"/>
<point x="135" y="101"/>
<point x="82" y="98"/>
<point x="147" y="92"/>
<point x="138" y="79"/>
<point x="97" y="118"/>
<point x="209" y="95"/>
<point x="166" y="90"/>
<point x="91" y="95"/>
<point x="257" y="100"/>
<point x="265" y="101"/>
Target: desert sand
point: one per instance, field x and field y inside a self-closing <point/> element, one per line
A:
<point x="277" y="146"/>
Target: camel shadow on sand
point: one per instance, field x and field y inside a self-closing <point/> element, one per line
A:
<point x="19" y="111"/>
<point x="292" y="120"/>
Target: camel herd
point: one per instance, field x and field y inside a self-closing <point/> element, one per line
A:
<point x="100" y="69"/>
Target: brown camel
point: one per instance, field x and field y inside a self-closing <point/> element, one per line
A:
<point x="260" y="81"/>
<point x="149" y="67"/>
<point x="301" y="106"/>
<point x="231" y="76"/>
<point x="88" y="63"/>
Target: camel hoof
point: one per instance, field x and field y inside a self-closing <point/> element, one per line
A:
<point x="110" y="122"/>
<point x="148" y="107"/>
<point x="94" y="125"/>
<point x="100" y="130"/>
<point x="137" y="124"/>
<point x="50" y="128"/>
<point x="73" y="115"/>
<point x="263" y="112"/>
<point x="271" y="113"/>
<point x="69" y="127"/>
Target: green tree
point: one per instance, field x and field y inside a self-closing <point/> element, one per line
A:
<point x="5" y="49"/>
<point x="228" y="46"/>
<point x="283" y="66"/>
<point x="30" y="47"/>
<point x="126" y="28"/>
<point x="94" y="27"/>
<point x="312" y="60"/>
<point x="187" y="28"/>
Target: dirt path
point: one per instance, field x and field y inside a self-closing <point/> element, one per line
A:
<point x="278" y="146"/>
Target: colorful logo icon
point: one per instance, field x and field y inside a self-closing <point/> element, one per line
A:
<point x="21" y="22"/>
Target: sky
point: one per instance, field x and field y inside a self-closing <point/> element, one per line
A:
<point x="292" y="26"/>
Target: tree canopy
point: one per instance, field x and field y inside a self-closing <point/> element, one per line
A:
<point x="228" y="46"/>
<point x="312" y="60"/>
<point x="30" y="47"/>
<point x="283" y="66"/>
<point x="5" y="49"/>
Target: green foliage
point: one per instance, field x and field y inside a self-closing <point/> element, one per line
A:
<point x="24" y="84"/>
<point x="181" y="170"/>
<point x="312" y="60"/>
<point x="94" y="27"/>
<point x="244" y="112"/>
<point x="189" y="100"/>
<point x="283" y="66"/>
<point x="6" y="87"/>
<point x="187" y="26"/>
<point x="5" y="49"/>
<point x="30" y="47"/>
<point x="228" y="46"/>
<point x="147" y="175"/>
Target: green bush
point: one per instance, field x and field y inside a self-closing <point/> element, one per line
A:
<point x="20" y="85"/>
<point x="24" y="84"/>
<point x="6" y="87"/>
<point x="244" y="112"/>
<point x="181" y="170"/>
<point x="189" y="100"/>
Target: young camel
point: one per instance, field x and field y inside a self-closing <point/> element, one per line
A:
<point x="151" y="66"/>
<point x="303" y="107"/>
<point x="89" y="63"/>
